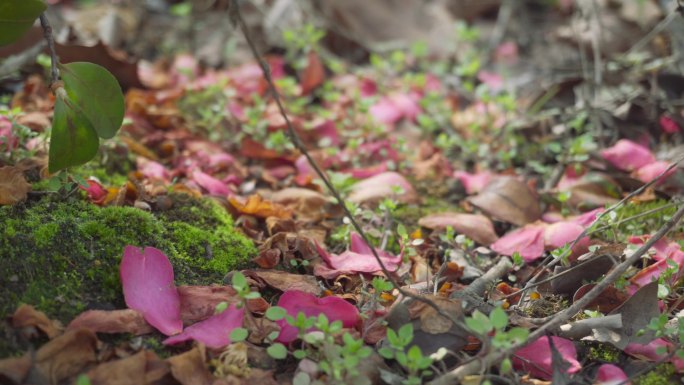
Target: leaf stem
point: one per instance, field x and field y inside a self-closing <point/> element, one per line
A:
<point x="54" y="59"/>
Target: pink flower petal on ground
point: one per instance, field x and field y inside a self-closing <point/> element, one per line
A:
<point x="609" y="374"/>
<point x="560" y="233"/>
<point x="627" y="155"/>
<point x="359" y="259"/>
<point x="295" y="301"/>
<point x="96" y="193"/>
<point x="8" y="141"/>
<point x="408" y="105"/>
<point x="647" y="275"/>
<point x="528" y="241"/>
<point x="473" y="183"/>
<point x="148" y="287"/>
<point x="668" y="125"/>
<point x="382" y="186"/>
<point x="153" y="170"/>
<point x="648" y="172"/>
<point x="506" y="53"/>
<point x="368" y="87"/>
<point x="535" y="358"/>
<point x="213" y="331"/>
<point x="492" y="80"/>
<point x="209" y="183"/>
<point x="328" y="131"/>
<point x="587" y="218"/>
<point x="385" y="111"/>
<point x="367" y="172"/>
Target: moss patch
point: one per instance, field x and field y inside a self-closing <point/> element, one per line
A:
<point x="63" y="256"/>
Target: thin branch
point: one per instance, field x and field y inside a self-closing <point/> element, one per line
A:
<point x="47" y="35"/>
<point x="460" y="372"/>
<point x="237" y="19"/>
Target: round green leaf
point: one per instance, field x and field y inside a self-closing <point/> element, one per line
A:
<point x="277" y="351"/>
<point x="276" y="313"/>
<point x="238" y="334"/>
<point x="16" y="17"/>
<point x="98" y="93"/>
<point x="499" y="318"/>
<point x="73" y="140"/>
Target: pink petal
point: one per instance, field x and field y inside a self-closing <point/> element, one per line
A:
<point x="560" y="233"/>
<point x="147" y="280"/>
<point x="492" y="80"/>
<point x="214" y="331"/>
<point x="587" y="218"/>
<point x="359" y="261"/>
<point x="96" y="193"/>
<point x="647" y="275"/>
<point x="209" y="183"/>
<point x="8" y="141"/>
<point x="648" y="351"/>
<point x="385" y="111"/>
<point x="367" y="172"/>
<point x="382" y="186"/>
<point x="627" y="155"/>
<point x="473" y="183"/>
<point x="328" y="130"/>
<point x="335" y="308"/>
<point x="151" y="169"/>
<point x="528" y="241"/>
<point x="368" y="87"/>
<point x="609" y="374"/>
<point x="506" y="52"/>
<point x="408" y="105"/>
<point x="668" y="125"/>
<point x="648" y="172"/>
<point x="535" y="358"/>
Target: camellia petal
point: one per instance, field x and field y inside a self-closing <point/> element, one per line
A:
<point x="334" y="308"/>
<point x="528" y="241"/>
<point x="609" y="374"/>
<point x="650" y="171"/>
<point x="213" y="331"/>
<point x="627" y="155"/>
<point x="536" y="358"/>
<point x="148" y="287"/>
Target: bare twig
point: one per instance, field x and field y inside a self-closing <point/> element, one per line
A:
<point x="237" y="19"/>
<point x="460" y="372"/>
<point x="47" y="34"/>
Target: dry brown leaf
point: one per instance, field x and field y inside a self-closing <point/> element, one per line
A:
<point x="190" y="368"/>
<point x="283" y="281"/>
<point x="257" y="206"/>
<point x="314" y="74"/>
<point x="27" y="318"/>
<point x="382" y="186"/>
<point x="13" y="371"/>
<point x="65" y="356"/>
<point x="508" y="199"/>
<point x="114" y="321"/>
<point x="13" y="185"/>
<point x="308" y="205"/>
<point x="141" y="368"/>
<point x="474" y="226"/>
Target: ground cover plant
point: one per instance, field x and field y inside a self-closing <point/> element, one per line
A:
<point x="283" y="193"/>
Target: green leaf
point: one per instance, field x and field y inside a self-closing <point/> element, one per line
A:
<point x="221" y="307"/>
<point x="276" y="313"/>
<point x="299" y="354"/>
<point x="301" y="378"/>
<point x="277" y="351"/>
<point x="16" y="17"/>
<point x="386" y="353"/>
<point x="499" y="318"/>
<point x="238" y="334"/>
<point x="239" y="281"/>
<point x="73" y="140"/>
<point x="98" y="93"/>
<point x="253" y="295"/>
<point x="506" y="366"/>
<point x="406" y="334"/>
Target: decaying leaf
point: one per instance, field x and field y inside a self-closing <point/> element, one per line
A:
<point x="13" y="185"/>
<point x="508" y="199"/>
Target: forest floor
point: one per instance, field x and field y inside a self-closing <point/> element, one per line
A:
<point x="498" y="205"/>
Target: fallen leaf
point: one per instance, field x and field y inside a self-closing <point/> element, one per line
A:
<point x="189" y="368"/>
<point x="147" y="280"/>
<point x="257" y="206"/>
<point x="198" y="303"/>
<point x="26" y="317"/>
<point x="14" y="370"/>
<point x="112" y="321"/>
<point x="65" y="356"/>
<point x="314" y="74"/>
<point x="295" y="301"/>
<point x="13" y="185"/>
<point x="283" y="281"/>
<point x="476" y="227"/>
<point x="143" y="367"/>
<point x="508" y="199"/>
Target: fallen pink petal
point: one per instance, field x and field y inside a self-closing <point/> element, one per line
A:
<point x="214" y="331"/>
<point x="528" y="241"/>
<point x="334" y="308"/>
<point x="148" y="287"/>
<point x="627" y="155"/>
<point x="536" y="360"/>
<point x="609" y="374"/>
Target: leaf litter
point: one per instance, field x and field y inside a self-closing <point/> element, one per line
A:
<point x="481" y="180"/>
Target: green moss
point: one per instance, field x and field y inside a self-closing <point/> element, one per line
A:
<point x="660" y="375"/>
<point x="630" y="220"/>
<point x="602" y="352"/>
<point x="63" y="256"/>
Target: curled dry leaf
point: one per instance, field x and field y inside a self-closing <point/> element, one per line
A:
<point x="114" y="321"/>
<point x="189" y="368"/>
<point x="13" y="185"/>
<point x="199" y="302"/>
<point x="308" y="205"/>
<point x="508" y="199"/>
<point x="27" y="318"/>
<point x="385" y="185"/>
<point x="143" y="367"/>
<point x="474" y="226"/>
<point x="66" y="355"/>
<point x="256" y="205"/>
<point x="284" y="281"/>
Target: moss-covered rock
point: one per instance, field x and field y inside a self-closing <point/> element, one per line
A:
<point x="63" y="256"/>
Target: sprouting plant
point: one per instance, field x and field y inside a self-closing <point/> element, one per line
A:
<point x="299" y="42"/>
<point x="496" y="323"/>
<point x="411" y="359"/>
